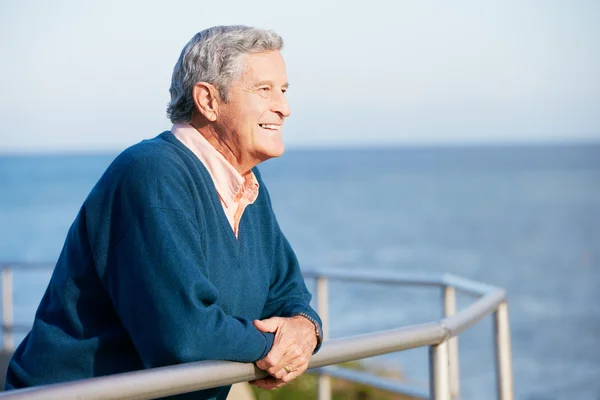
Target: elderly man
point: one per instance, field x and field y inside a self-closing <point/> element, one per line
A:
<point x="176" y="255"/>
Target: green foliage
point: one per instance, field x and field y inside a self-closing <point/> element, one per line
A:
<point x="305" y="388"/>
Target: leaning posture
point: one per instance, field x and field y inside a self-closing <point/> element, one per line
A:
<point x="176" y="255"/>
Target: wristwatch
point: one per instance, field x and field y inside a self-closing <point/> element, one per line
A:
<point x="318" y="331"/>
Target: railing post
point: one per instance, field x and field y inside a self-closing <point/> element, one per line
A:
<point x="504" y="375"/>
<point x="7" y="308"/>
<point x="439" y="388"/>
<point x="453" y="367"/>
<point x="324" y="391"/>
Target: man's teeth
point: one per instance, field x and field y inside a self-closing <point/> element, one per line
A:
<point x="270" y="126"/>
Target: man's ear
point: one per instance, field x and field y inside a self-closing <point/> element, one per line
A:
<point x="206" y="98"/>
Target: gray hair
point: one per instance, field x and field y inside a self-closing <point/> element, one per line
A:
<point x="215" y="55"/>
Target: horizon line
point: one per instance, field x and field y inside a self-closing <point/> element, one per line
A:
<point x="559" y="142"/>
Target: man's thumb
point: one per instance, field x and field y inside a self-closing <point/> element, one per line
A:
<point x="267" y="325"/>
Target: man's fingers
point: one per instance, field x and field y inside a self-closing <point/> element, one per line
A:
<point x="279" y="379"/>
<point x="268" y="383"/>
<point x="275" y="370"/>
<point x="298" y="366"/>
<point x="293" y="359"/>
<point x="272" y="361"/>
<point x="290" y="377"/>
<point x="279" y="374"/>
<point x="291" y="349"/>
<point x="291" y="370"/>
<point x="267" y="325"/>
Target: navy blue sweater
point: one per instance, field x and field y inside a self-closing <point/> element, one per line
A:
<point x="151" y="274"/>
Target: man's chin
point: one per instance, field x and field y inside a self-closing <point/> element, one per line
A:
<point x="279" y="152"/>
<point x="273" y="152"/>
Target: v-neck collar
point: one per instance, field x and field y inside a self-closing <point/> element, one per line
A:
<point x="214" y="195"/>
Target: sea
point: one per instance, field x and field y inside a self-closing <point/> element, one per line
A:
<point x="522" y="217"/>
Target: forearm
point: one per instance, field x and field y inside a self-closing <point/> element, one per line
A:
<point x="288" y="295"/>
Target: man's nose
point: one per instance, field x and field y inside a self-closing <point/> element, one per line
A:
<point x="281" y="105"/>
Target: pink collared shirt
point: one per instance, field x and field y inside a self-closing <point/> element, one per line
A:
<point x="235" y="191"/>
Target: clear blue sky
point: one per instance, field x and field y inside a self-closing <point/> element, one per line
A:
<point x="79" y="75"/>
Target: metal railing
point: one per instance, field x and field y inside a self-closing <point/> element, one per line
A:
<point x="439" y="336"/>
<point x="6" y="276"/>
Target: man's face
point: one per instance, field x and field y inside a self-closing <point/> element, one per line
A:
<point x="252" y="119"/>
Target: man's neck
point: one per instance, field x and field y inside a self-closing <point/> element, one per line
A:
<point x="224" y="147"/>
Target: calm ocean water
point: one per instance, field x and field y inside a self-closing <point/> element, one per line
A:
<point x="524" y="218"/>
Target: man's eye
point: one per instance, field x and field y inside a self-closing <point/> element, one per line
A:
<point x="264" y="89"/>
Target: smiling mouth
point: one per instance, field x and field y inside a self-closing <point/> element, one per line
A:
<point x="272" y="127"/>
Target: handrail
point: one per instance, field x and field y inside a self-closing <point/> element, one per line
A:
<point x="26" y="265"/>
<point x="164" y="381"/>
<point x="171" y="380"/>
<point x="405" y="278"/>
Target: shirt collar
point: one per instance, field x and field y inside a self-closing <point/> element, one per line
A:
<point x="230" y="184"/>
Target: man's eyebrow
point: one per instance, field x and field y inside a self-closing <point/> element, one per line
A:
<point x="270" y="83"/>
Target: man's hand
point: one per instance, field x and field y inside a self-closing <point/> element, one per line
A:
<point x="294" y="342"/>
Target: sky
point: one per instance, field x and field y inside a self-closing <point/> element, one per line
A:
<point x="94" y="76"/>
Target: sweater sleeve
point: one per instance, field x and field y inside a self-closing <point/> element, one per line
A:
<point x="288" y="295"/>
<point x="156" y="278"/>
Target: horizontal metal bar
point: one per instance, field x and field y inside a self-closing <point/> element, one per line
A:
<point x="157" y="382"/>
<point x="395" y="278"/>
<point x="377" y="382"/>
<point x="26" y="265"/>
<point x="404" y="278"/>
<point x="468" y="286"/>
<point x="374" y="344"/>
<point x="145" y="384"/>
<point x="16" y="328"/>
<point x="471" y="315"/>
